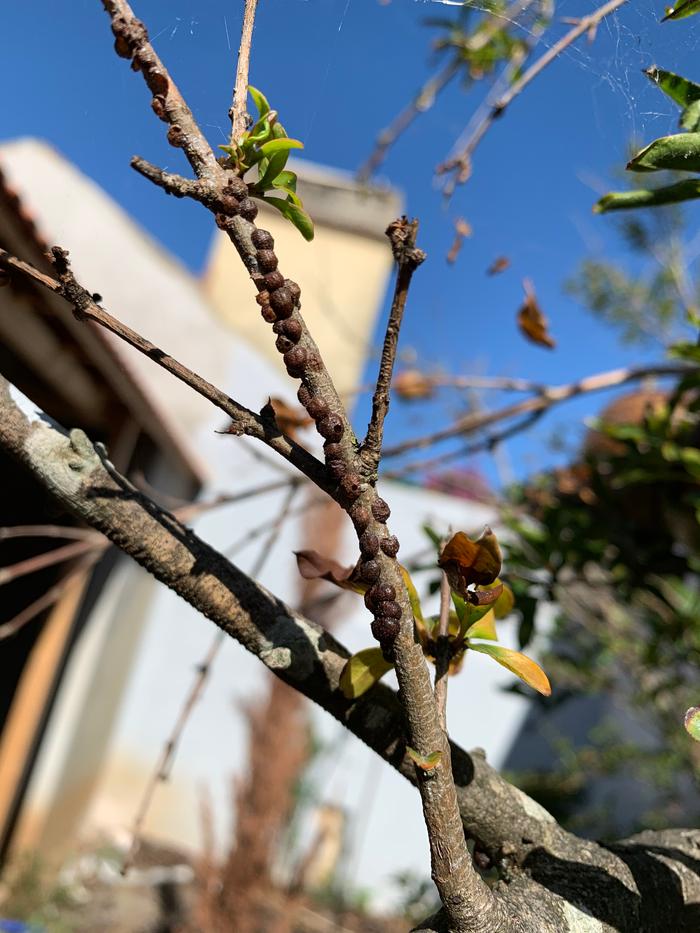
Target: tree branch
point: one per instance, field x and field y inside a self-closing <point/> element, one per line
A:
<point x="402" y="235"/>
<point x="465" y="896"/>
<point x="460" y="162"/>
<point x="245" y="422"/>
<point x="545" y="399"/>
<point x="237" y="113"/>
<point x="514" y="830"/>
<point x="442" y="656"/>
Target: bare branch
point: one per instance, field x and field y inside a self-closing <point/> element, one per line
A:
<point x="237" y="113"/>
<point x="426" y="96"/>
<point x="48" y="598"/>
<point x="460" y="162"/>
<point x="545" y="399"/>
<point x="244" y="421"/>
<point x="45" y="559"/>
<point x="408" y="257"/>
<point x="462" y="891"/>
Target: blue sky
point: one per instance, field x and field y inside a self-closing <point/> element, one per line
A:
<point x="337" y="70"/>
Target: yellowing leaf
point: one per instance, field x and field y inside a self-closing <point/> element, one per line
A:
<point x="413" y="597"/>
<point x="531" y="321"/>
<point x="469" y="562"/>
<point x="362" y="671"/>
<point x="485" y="627"/>
<point x="692" y="722"/>
<point x="424" y="762"/>
<point x="518" y="664"/>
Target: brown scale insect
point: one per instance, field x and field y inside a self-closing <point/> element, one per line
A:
<point x="390" y="545"/>
<point x="331" y="427"/>
<point x="369" y="571"/>
<point x="248" y="209"/>
<point x="380" y="510"/>
<point x="369" y="543"/>
<point x="282" y="301"/>
<point x="262" y="239"/>
<point x="274" y="280"/>
<point x="267" y="261"/>
<point x="318" y="409"/>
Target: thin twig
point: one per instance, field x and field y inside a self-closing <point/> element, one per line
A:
<point x="245" y="422"/>
<point x="459" y="163"/>
<point x="45" y="559"/>
<point x="426" y="96"/>
<point x="164" y="764"/>
<point x="408" y="257"/>
<point x="48" y="598"/>
<point x="544" y="400"/>
<point x="46" y="531"/>
<point x="442" y="653"/>
<point x="238" y="113"/>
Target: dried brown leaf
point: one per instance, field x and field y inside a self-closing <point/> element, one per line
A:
<point x="531" y="321"/>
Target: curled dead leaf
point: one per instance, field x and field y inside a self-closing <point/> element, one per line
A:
<point x="468" y="562"/>
<point x="314" y="566"/>
<point x="531" y="321"/>
<point x="500" y="264"/>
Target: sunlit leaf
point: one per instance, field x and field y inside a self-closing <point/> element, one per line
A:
<point x="682" y="9"/>
<point x="259" y="100"/>
<point x="295" y="214"/>
<point x="280" y="145"/>
<point x="413" y="597"/>
<point x="485" y="627"/>
<point x="680" y="90"/>
<point x="424" y="762"/>
<point x="362" y="671"/>
<point x="314" y="566"/>
<point x="505" y="603"/>
<point x="531" y="320"/>
<point x="287" y="180"/>
<point x="270" y="174"/>
<point x="468" y="562"/>
<point x="518" y="664"/>
<point x="680" y="152"/>
<point x="690" y="118"/>
<point x="656" y="197"/>
<point x="692" y="722"/>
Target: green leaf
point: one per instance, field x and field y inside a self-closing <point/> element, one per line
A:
<point x="259" y="100"/>
<point x="680" y="152"/>
<point x="680" y="90"/>
<point x="654" y="197"/>
<point x="424" y="762"/>
<point x="690" y="118"/>
<point x="683" y="9"/>
<point x="518" y="664"/>
<point x="295" y="214"/>
<point x="362" y="671"/>
<point x="692" y="722"/>
<point x="286" y="180"/>
<point x="291" y="195"/>
<point x="485" y="627"/>
<point x="280" y="145"/>
<point x="275" y="165"/>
